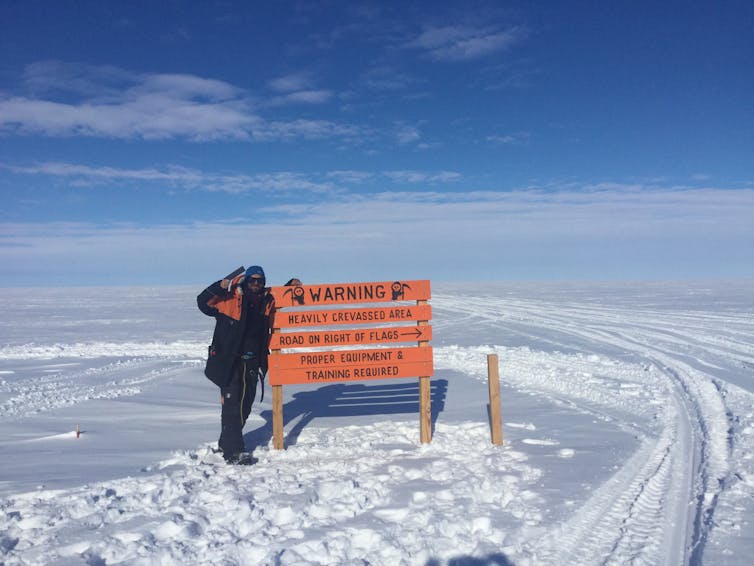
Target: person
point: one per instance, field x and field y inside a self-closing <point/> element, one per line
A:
<point x="243" y="309"/>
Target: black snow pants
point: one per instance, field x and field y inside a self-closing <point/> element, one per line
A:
<point x="237" y="398"/>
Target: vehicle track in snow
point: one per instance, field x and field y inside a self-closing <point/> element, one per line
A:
<point x="660" y="506"/>
<point x="53" y="388"/>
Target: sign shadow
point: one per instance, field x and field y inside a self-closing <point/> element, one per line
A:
<point x="350" y="400"/>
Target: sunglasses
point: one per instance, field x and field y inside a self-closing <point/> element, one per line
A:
<point x="255" y="281"/>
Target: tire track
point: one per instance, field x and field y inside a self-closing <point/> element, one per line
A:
<point x="47" y="392"/>
<point x="623" y="517"/>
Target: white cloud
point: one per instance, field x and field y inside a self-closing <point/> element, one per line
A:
<point x="270" y="182"/>
<point x="181" y="86"/>
<point x="413" y="177"/>
<point x="306" y="129"/>
<point x="114" y="103"/>
<point x="296" y="88"/>
<point x="147" y="116"/>
<point x="407" y="134"/>
<point x="193" y="179"/>
<point x="516" y="138"/>
<point x="190" y="179"/>
<point x="59" y="169"/>
<point x="606" y="231"/>
<point x="463" y="42"/>
<point x="301" y="97"/>
<point x="351" y="177"/>
<point x="291" y="83"/>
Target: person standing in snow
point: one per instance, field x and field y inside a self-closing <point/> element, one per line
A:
<point x="243" y="309"/>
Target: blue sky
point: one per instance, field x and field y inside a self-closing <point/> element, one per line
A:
<point x="152" y="143"/>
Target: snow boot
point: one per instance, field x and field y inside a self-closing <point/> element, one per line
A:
<point x="240" y="459"/>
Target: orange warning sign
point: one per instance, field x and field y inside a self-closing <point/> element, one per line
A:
<point x="349" y="365"/>
<point x="348" y="293"/>
<point x="350" y="337"/>
<point x="374" y="315"/>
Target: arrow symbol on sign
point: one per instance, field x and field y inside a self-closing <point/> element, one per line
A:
<point x="416" y="332"/>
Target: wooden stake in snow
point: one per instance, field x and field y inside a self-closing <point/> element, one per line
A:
<point x="493" y="376"/>
<point x="425" y="395"/>
<point x="78" y="431"/>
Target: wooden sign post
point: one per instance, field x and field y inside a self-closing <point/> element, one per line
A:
<point x="318" y="355"/>
<point x="493" y="378"/>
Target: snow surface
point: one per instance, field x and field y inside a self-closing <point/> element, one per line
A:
<point x="628" y="415"/>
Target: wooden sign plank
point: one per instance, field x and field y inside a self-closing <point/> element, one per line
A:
<point x="349" y="365"/>
<point x="348" y="373"/>
<point x="373" y="315"/>
<point x="350" y="337"/>
<point x="375" y="356"/>
<point x="351" y="293"/>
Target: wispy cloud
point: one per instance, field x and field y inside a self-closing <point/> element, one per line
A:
<point x="465" y="42"/>
<point x="296" y="88"/>
<point x="406" y="134"/>
<point x="402" y="177"/>
<point x="291" y="82"/>
<point x="413" y="177"/>
<point x="516" y="138"/>
<point x="351" y="176"/>
<point x="621" y="229"/>
<point x="307" y="129"/>
<point x="701" y="177"/>
<point x="607" y="207"/>
<point x="174" y="176"/>
<point x="301" y="97"/>
<point x="181" y="177"/>
<point x="147" y="117"/>
<point x="114" y="103"/>
<point x="58" y="169"/>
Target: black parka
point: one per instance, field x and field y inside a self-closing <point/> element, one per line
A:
<point x="235" y="322"/>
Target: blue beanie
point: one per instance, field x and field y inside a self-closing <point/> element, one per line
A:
<point x="255" y="270"/>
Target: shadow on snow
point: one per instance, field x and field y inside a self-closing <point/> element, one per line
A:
<point x="349" y="400"/>
<point x="497" y="559"/>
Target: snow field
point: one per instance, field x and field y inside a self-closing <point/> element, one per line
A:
<point x="337" y="496"/>
<point x="628" y="424"/>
